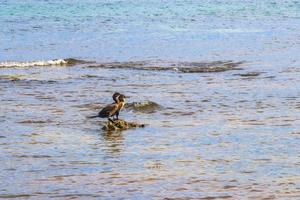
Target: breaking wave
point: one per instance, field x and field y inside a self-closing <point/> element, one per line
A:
<point x="55" y="62"/>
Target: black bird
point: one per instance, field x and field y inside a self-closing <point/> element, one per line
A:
<point x="112" y="109"/>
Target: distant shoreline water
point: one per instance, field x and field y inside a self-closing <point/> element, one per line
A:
<point x="139" y="30"/>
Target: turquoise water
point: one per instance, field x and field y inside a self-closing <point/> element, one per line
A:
<point x="138" y="30"/>
<point x="225" y="75"/>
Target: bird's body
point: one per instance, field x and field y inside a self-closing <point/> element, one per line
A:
<point x="109" y="111"/>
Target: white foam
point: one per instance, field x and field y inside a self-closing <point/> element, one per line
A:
<point x="34" y="63"/>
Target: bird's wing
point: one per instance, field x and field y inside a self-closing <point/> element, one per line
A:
<point x="108" y="110"/>
<point x="113" y="110"/>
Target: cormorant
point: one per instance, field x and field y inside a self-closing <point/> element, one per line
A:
<point x="112" y="109"/>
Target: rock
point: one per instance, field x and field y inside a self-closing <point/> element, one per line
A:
<point x="145" y="107"/>
<point x="120" y="125"/>
<point x="249" y="74"/>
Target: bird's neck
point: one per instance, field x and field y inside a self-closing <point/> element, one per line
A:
<point x="121" y="104"/>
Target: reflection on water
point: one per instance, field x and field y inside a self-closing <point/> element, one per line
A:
<point x="209" y="136"/>
<point x="113" y="142"/>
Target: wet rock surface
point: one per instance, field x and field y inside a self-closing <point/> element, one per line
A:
<point x="145" y="107"/>
<point x="119" y="125"/>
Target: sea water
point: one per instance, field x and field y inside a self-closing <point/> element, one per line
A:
<point x="215" y="82"/>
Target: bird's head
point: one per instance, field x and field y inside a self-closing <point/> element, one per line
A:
<point x="115" y="96"/>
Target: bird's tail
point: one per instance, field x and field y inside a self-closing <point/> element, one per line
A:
<point x="90" y="117"/>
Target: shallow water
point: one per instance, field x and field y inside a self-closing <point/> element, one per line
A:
<point x="211" y="134"/>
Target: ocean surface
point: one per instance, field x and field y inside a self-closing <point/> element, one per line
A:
<point x="216" y="83"/>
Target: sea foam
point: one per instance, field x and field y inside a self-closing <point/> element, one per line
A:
<point x="34" y="63"/>
<point x="57" y="62"/>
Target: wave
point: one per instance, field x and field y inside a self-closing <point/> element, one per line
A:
<point x="55" y="62"/>
<point x="183" y="67"/>
<point x="156" y="65"/>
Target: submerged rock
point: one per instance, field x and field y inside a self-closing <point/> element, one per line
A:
<point x="249" y="74"/>
<point x="183" y="67"/>
<point x="207" y="67"/>
<point x="120" y="125"/>
<point x="146" y="107"/>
